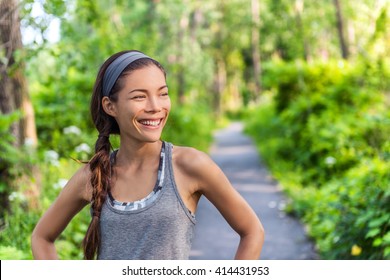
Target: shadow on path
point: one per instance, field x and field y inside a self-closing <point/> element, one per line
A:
<point x="214" y="239"/>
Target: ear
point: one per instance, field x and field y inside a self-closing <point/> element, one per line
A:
<point x="108" y="106"/>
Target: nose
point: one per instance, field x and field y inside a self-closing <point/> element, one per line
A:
<point x="153" y="105"/>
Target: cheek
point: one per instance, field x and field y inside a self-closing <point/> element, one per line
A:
<point x="128" y="112"/>
<point x="131" y="108"/>
<point x="167" y="105"/>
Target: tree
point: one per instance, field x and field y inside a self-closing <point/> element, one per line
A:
<point x="299" y="4"/>
<point x="340" y="29"/>
<point x="13" y="88"/>
<point x="181" y="36"/>
<point x="256" y="46"/>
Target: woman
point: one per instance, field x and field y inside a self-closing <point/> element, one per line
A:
<point x="144" y="195"/>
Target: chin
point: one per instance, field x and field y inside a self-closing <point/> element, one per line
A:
<point x="151" y="139"/>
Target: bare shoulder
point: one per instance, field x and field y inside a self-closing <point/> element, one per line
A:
<point x="198" y="167"/>
<point x="79" y="184"/>
<point x="191" y="160"/>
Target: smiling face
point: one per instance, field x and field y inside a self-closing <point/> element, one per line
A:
<point x="143" y="104"/>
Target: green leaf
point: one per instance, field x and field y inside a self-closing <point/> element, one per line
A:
<point x="386" y="238"/>
<point x="372" y="232"/>
<point x="11" y="253"/>
<point x="377" y="242"/>
<point x="387" y="253"/>
<point x="379" y="221"/>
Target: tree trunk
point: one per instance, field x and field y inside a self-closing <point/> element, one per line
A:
<point x="305" y="46"/>
<point x="219" y="86"/>
<point x="181" y="44"/>
<point x="13" y="90"/>
<point x="195" y="22"/>
<point x="256" y="48"/>
<point x="340" y="29"/>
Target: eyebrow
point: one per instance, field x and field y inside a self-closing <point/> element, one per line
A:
<point x="146" y="91"/>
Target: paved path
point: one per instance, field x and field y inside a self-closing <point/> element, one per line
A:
<point x="214" y="239"/>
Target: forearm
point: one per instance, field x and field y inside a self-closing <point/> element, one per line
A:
<point x="250" y="246"/>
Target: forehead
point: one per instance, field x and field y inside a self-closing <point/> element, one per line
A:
<point x="147" y="77"/>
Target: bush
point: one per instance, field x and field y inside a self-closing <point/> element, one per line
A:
<point x="350" y="217"/>
<point x="15" y="236"/>
<point x="324" y="133"/>
<point x="190" y="125"/>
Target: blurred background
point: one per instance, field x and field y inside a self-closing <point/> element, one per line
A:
<point x="310" y="81"/>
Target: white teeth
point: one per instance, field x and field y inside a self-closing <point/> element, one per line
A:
<point x="150" y="123"/>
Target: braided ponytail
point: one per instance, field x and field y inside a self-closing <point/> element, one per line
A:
<point x="100" y="181"/>
<point x="100" y="163"/>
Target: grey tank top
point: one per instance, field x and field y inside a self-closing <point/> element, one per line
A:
<point x="158" y="227"/>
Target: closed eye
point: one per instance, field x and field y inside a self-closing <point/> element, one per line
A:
<point x="138" y="97"/>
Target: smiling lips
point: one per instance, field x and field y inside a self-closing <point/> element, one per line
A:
<point x="151" y="123"/>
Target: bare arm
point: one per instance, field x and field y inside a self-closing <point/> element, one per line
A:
<point x="71" y="200"/>
<point x="213" y="183"/>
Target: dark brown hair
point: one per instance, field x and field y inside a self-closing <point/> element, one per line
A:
<point x="100" y="165"/>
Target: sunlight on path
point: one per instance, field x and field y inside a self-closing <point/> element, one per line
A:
<point x="214" y="239"/>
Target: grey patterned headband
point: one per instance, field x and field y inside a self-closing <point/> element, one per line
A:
<point x="116" y="68"/>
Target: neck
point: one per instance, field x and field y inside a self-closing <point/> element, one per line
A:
<point x="137" y="153"/>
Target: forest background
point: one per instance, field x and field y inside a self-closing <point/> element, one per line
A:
<point x="310" y="79"/>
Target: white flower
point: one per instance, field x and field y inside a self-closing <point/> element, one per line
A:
<point x="83" y="148"/>
<point x="60" y="184"/>
<point x="16" y="195"/>
<point x="29" y="142"/>
<point x="330" y="160"/>
<point x="52" y="157"/>
<point x="72" y="130"/>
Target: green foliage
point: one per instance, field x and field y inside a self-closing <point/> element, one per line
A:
<point x="15" y="236"/>
<point x="317" y="107"/>
<point x="8" y="151"/>
<point x="324" y="132"/>
<point x="69" y="245"/>
<point x="190" y="126"/>
<point x="351" y="211"/>
<point x="323" y="122"/>
<point x="61" y="93"/>
<point x="19" y="223"/>
<point x="15" y="161"/>
<point x="12" y="253"/>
